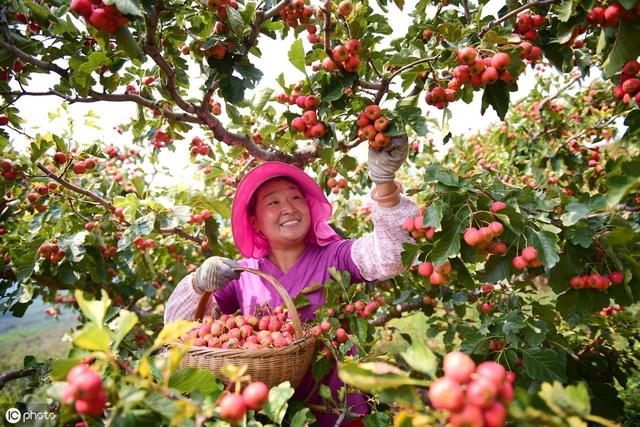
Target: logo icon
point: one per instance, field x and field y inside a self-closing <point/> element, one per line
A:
<point x="13" y="415"/>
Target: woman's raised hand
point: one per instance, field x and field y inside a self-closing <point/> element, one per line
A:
<point x="214" y="273"/>
<point x="383" y="164"/>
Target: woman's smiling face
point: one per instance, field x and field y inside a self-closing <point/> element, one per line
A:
<point x="281" y="213"/>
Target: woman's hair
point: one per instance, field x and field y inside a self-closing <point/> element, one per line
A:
<point x="251" y="208"/>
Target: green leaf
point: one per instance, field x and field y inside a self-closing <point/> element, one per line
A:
<point x="576" y="305"/>
<point x="296" y="55"/>
<point x="547" y="245"/>
<point x="496" y="95"/>
<point x="421" y="358"/>
<point x="574" y="400"/>
<point x="39" y="145"/>
<point x="171" y="332"/>
<point x="496" y="269"/>
<point x="545" y="364"/>
<point x="73" y="246"/>
<point x="128" y="43"/>
<point x="408" y="110"/>
<point x="276" y="406"/>
<point x="377" y="419"/>
<point x="625" y="47"/>
<point x="303" y="418"/>
<point x="126" y="7"/>
<point x="261" y="99"/>
<point x="565" y="10"/>
<point x="474" y="343"/>
<point x="447" y="245"/>
<point x="188" y="380"/>
<point x="94" y="310"/>
<point x="433" y="215"/>
<point x="92" y="337"/>
<point x="581" y="234"/>
<point x="620" y="185"/>
<point x="123" y="324"/>
<point x="232" y="88"/>
<point x="375" y="376"/>
<point x="574" y="212"/>
<point x="38" y="9"/>
<point x="235" y="20"/>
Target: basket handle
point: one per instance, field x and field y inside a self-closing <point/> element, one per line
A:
<point x="293" y="312"/>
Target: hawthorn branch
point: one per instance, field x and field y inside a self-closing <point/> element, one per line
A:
<point x="98" y="97"/>
<point x="33" y="60"/>
<point x="369" y="85"/>
<point x="107" y="205"/>
<point x="411" y="65"/>
<point x="514" y="12"/>
<point x="396" y="312"/>
<point x="14" y="375"/>
<point x="48" y="282"/>
<point x="180" y="232"/>
<point x="561" y="90"/>
<point x="627" y="208"/>
<point x="465" y="5"/>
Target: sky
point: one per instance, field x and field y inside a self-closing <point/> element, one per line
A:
<point x="36" y="110"/>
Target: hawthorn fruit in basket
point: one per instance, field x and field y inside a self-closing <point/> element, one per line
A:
<point x="268" y="330"/>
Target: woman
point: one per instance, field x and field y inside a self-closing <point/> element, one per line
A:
<point x="279" y="223"/>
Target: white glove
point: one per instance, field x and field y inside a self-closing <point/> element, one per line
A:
<point x="383" y="164"/>
<point x="215" y="273"/>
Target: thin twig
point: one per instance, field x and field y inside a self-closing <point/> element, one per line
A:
<point x="411" y="65"/>
<point x="14" y="375"/>
<point x="561" y="90"/>
<point x="107" y="205"/>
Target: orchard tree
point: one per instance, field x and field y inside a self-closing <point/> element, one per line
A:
<point x="520" y="298"/>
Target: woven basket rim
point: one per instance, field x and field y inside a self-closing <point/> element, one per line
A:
<point x="249" y="353"/>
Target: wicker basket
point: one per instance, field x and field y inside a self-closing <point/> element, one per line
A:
<point x="272" y="366"/>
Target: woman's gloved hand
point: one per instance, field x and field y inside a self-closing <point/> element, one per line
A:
<point x="383" y="164"/>
<point x="214" y="274"/>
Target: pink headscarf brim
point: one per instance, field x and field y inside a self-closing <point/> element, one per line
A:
<point x="252" y="245"/>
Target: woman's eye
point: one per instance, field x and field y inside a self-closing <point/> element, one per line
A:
<point x="273" y="202"/>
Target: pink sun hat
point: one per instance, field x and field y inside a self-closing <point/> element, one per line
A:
<point x="251" y="244"/>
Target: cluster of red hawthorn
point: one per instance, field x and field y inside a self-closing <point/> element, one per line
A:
<point x="528" y="258"/>
<point x="628" y="87"/>
<point x="85" y="391"/>
<point x="199" y="217"/>
<point x="233" y="406"/>
<point x="104" y="17"/>
<point x="8" y="170"/>
<point x="415" y="226"/>
<point x="308" y="123"/>
<point x="611" y="310"/>
<point x="596" y="281"/>
<point x="473" y="395"/>
<point x="239" y="331"/>
<point x="438" y="275"/>
<point x="296" y="13"/>
<point x="611" y="15"/>
<point x="161" y="139"/>
<point x="346" y="55"/>
<point x="198" y="146"/>
<point x="371" y="127"/>
<point x="51" y="251"/>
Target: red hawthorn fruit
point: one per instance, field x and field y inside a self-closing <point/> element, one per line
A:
<point x="352" y="64"/>
<point x="492" y="371"/>
<point x="497" y="206"/>
<point x="489" y="76"/>
<point x="341" y="334"/>
<point x="631" y="67"/>
<point x="481" y="392"/>
<point x="372" y="112"/>
<point x="519" y="263"/>
<point x="458" y="366"/>
<point x="4" y="120"/>
<point x="437" y="278"/>
<point x="102" y="20"/>
<point x="255" y="395"/>
<point x="318" y="130"/>
<point x="445" y="393"/>
<point x="596" y="16"/>
<point x="612" y="14"/>
<point x="82" y="7"/>
<point x="467" y="55"/>
<point x="494" y="415"/>
<point x="60" y="158"/>
<point x="310" y="118"/>
<point x="427" y="34"/>
<point x="328" y="65"/>
<point x="340" y="53"/>
<point x="232" y="408"/>
<point x="93" y="407"/>
<point x="537" y="20"/>
<point x="616" y="277"/>
<point x="500" y="61"/>
<point x="298" y="124"/>
<point x="425" y="269"/>
<point x="529" y="253"/>
<point x="469" y="416"/>
<point x="345" y="8"/>
<point x="472" y="236"/>
<point x="354" y="46"/>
